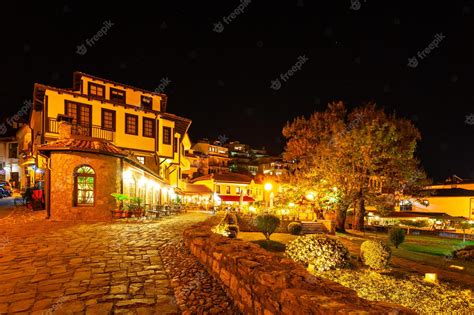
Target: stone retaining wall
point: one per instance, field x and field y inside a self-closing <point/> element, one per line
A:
<point x="264" y="283"/>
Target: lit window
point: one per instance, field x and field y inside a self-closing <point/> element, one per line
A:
<point x="141" y="159"/>
<point x="117" y="95"/>
<point x="237" y="190"/>
<point x="84" y="185"/>
<point x="131" y="124"/>
<point x="108" y="119"/>
<point x="166" y="135"/>
<point x="96" y="90"/>
<point x="227" y="190"/>
<point x="147" y="102"/>
<point x="13" y="150"/>
<point x="148" y="127"/>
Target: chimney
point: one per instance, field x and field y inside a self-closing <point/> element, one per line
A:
<point x="65" y="126"/>
<point x="65" y="129"/>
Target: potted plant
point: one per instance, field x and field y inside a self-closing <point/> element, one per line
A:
<point x="135" y="207"/>
<point x="118" y="213"/>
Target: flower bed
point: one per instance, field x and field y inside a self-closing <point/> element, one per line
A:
<point x="410" y="291"/>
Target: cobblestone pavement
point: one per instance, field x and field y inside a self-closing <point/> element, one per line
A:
<point x="64" y="268"/>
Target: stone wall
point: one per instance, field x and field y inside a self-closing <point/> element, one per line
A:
<point x="261" y="282"/>
<point x="107" y="181"/>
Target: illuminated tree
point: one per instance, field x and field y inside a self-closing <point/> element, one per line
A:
<point x="343" y="154"/>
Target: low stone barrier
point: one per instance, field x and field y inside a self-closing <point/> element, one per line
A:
<point x="261" y="282"/>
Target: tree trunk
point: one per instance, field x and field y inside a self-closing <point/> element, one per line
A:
<point x="341" y="212"/>
<point x="359" y="214"/>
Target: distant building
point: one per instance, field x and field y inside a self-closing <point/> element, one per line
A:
<point x="10" y="170"/>
<point x="215" y="155"/>
<point x="231" y="188"/>
<point x="454" y="196"/>
<point x="247" y="160"/>
<point x="100" y="137"/>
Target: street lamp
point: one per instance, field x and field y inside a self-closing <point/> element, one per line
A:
<point x="268" y="187"/>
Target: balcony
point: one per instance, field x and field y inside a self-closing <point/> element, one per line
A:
<point x="80" y="130"/>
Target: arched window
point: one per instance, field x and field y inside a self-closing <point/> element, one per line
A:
<point x="84" y="186"/>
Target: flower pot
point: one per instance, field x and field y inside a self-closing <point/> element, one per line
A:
<point x="117" y="214"/>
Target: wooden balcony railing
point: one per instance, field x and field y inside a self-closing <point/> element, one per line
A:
<point x="81" y="130"/>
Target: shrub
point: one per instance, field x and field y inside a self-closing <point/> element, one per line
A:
<point x="267" y="224"/>
<point x="323" y="252"/>
<point x="465" y="253"/>
<point x="233" y="230"/>
<point x="375" y="254"/>
<point x="227" y="226"/>
<point x="230" y="219"/>
<point x="396" y="236"/>
<point x="295" y="228"/>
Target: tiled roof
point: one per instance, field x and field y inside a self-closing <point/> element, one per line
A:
<point x="84" y="145"/>
<point x="181" y="124"/>
<point x="226" y="177"/>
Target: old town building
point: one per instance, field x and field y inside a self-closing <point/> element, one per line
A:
<point x="119" y="137"/>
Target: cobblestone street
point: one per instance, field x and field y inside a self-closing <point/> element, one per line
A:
<point x="64" y="268"/>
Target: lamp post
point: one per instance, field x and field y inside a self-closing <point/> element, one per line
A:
<point x="268" y="187"/>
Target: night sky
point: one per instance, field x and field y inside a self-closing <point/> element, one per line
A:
<point x="356" y="52"/>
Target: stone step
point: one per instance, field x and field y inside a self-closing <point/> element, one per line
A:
<point x="311" y="227"/>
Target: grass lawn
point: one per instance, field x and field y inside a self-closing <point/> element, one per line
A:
<point x="276" y="244"/>
<point x="430" y="250"/>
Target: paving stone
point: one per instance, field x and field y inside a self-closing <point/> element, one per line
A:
<point x="19" y="306"/>
<point x="121" y="267"/>
<point x="99" y="309"/>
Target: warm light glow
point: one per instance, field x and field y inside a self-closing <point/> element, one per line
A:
<point x="310" y="196"/>
<point x="334" y="188"/>
<point x="142" y="181"/>
<point x="371" y="214"/>
<point x="431" y="277"/>
<point x="127" y="175"/>
<point x="291" y="204"/>
<point x="268" y="186"/>
<point x="252" y="209"/>
<point x="284" y="212"/>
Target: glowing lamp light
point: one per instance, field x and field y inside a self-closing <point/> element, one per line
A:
<point x="127" y="175"/>
<point x="268" y="186"/>
<point x="252" y="209"/>
<point x="284" y="211"/>
<point x="431" y="277"/>
<point x="291" y="204"/>
<point x="334" y="188"/>
<point x="142" y="181"/>
<point x="371" y="214"/>
<point x="310" y="196"/>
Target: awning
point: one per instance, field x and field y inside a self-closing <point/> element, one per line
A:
<point x="194" y="189"/>
<point x="235" y="198"/>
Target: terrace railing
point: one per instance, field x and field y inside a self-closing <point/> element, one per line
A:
<point x="83" y="130"/>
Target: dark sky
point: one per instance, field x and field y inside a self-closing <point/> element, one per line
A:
<point x="222" y="80"/>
